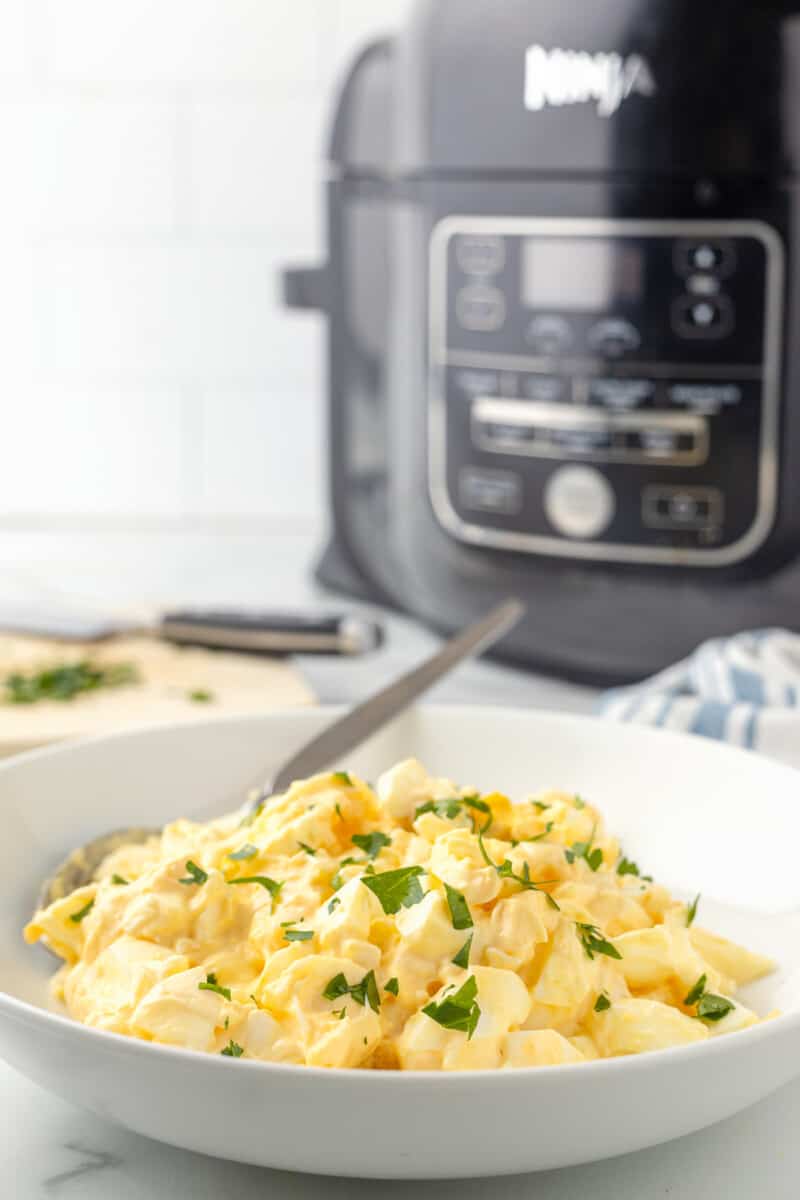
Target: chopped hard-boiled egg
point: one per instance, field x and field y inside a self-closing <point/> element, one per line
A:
<point x="418" y="925"/>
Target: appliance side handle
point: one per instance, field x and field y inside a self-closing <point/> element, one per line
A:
<point x="306" y="287"/>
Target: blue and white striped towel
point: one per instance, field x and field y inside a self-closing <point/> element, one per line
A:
<point x="744" y="690"/>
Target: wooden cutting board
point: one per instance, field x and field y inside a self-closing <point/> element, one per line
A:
<point x="167" y="676"/>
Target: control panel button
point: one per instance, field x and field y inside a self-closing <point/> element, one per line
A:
<point x="712" y="255"/>
<point x="579" y="502"/>
<point x="659" y="442"/>
<point x="621" y="393"/>
<point x="490" y="491"/>
<point x="703" y="285"/>
<point x="476" y="383"/>
<point x="702" y="318"/>
<point x="546" y="389"/>
<point x="509" y="436"/>
<point x="571" y="431"/>
<point x="480" y="254"/>
<point x="705" y="398"/>
<point x="549" y="334"/>
<point x="480" y="308"/>
<point x="613" y="337"/>
<point x="681" y="508"/>
<point x="580" y="440"/>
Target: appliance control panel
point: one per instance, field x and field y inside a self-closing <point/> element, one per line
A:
<point x="605" y="389"/>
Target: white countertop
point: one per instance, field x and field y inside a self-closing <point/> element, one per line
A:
<point x="48" y="1149"/>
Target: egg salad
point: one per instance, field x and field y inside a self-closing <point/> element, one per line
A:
<point x="413" y="925"/>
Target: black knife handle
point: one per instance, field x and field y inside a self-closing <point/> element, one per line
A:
<point x="270" y="632"/>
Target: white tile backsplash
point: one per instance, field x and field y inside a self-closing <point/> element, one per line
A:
<point x="101" y="450"/>
<point x="178" y="42"/>
<point x="174" y="311"/>
<point x="161" y="162"/>
<point x="109" y="310"/>
<point x="104" y="167"/>
<point x="252" y="165"/>
<point x="15" y="43"/>
<point x="257" y="445"/>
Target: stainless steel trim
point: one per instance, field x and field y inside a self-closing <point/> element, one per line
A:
<point x="535" y="415"/>
<point x="590" y="227"/>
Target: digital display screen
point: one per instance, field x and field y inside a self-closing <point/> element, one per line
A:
<point x="580" y="273"/>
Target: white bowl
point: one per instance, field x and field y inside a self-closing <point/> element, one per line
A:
<point x="699" y="816"/>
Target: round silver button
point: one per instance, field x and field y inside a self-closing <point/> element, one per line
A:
<point x="579" y="502"/>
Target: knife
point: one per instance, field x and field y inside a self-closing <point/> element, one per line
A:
<point x="251" y="631"/>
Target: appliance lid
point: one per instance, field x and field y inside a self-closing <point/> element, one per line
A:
<point x="696" y="87"/>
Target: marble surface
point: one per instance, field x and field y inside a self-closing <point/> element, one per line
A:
<point x="48" y="1149"/>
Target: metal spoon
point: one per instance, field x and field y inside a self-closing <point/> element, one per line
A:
<point x="343" y="735"/>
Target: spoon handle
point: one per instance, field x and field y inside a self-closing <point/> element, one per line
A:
<point x="371" y="714"/>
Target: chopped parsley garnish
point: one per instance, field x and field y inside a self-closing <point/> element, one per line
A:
<point x="696" y="992"/>
<point x="196" y="874"/>
<point x="271" y="885"/>
<point x="340" y="1012"/>
<point x="462" y="958"/>
<point x="119" y="880"/>
<point x="338" y="811"/>
<point x="298" y="935"/>
<point x="540" y="804"/>
<point x="336" y="880"/>
<point x="365" y="992"/>
<point x="396" y="889"/>
<point x="626" y="866"/>
<point x="602" y="1003"/>
<point x="591" y="854"/>
<point x="459" y="909"/>
<point x="371" y="843"/>
<point x="308" y="849"/>
<point x="226" y="1023"/>
<point x="506" y="871"/>
<point x="392" y="987"/>
<point x="332" y="905"/>
<point x="710" y="1008"/>
<point x="451" y="806"/>
<point x="212" y="985"/>
<point x="248" y="850"/>
<point x="336" y="987"/>
<point x="593" y="941"/>
<point x="713" y="1008"/>
<point x="539" y="836"/>
<point x="579" y="803"/>
<point x="66" y="681"/>
<point x="200" y="696"/>
<point x="691" y="910"/>
<point x="78" y="916"/>
<point x="343" y="778"/>
<point x="458" y="1011"/>
<point x="233" y="1050"/>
